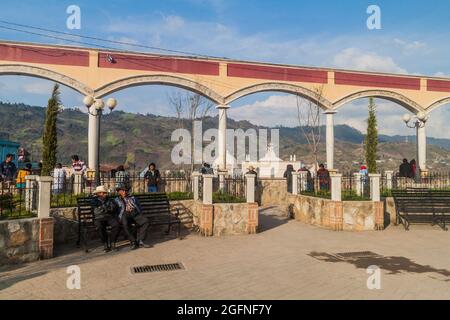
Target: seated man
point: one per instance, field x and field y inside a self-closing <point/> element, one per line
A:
<point x="105" y="214"/>
<point x="130" y="212"/>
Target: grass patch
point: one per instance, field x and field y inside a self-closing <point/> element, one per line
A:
<point x="221" y="197"/>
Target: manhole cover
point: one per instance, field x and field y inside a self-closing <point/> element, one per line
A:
<point x="157" y="268"/>
<point x="357" y="255"/>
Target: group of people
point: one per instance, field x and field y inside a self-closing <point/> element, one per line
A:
<point x="408" y="169"/>
<point x="9" y="173"/>
<point x="322" y="174"/>
<point x="122" y="211"/>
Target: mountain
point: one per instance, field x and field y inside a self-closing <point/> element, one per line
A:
<point x="137" y="139"/>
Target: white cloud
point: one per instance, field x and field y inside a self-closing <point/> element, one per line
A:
<point x="38" y="87"/>
<point x="354" y="58"/>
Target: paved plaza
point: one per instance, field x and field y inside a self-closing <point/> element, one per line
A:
<point x="286" y="260"/>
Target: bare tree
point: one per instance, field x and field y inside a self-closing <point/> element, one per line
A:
<point x="310" y="122"/>
<point x="190" y="106"/>
<point x="309" y="119"/>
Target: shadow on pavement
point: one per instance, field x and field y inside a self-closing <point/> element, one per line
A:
<point x="394" y="265"/>
<point x="68" y="255"/>
<point x="271" y="218"/>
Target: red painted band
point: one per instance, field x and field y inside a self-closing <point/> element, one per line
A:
<point x="438" y="85"/>
<point x="381" y="81"/>
<point x="276" y="73"/>
<point x="44" y="55"/>
<point x="173" y="65"/>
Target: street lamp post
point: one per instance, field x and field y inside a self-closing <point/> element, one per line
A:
<point x="418" y="122"/>
<point x="95" y="109"/>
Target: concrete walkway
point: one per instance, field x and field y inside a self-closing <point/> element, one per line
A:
<point x="287" y="260"/>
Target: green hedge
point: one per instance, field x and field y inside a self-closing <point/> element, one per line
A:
<point x="221" y="197"/>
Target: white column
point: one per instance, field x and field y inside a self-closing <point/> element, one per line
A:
<point x="375" y="187"/>
<point x="222" y="137"/>
<point x="30" y="192"/>
<point x="195" y="184"/>
<point x="207" y="188"/>
<point x="250" y="188"/>
<point x="222" y="175"/>
<point x="44" y="196"/>
<point x="330" y="139"/>
<point x="422" y="148"/>
<point x="303" y="181"/>
<point x="389" y="175"/>
<point x="93" y="139"/>
<point x="295" y="185"/>
<point x="336" y="181"/>
<point x="358" y="183"/>
<point x="77" y="183"/>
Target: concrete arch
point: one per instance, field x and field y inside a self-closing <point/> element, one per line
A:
<point x="25" y="70"/>
<point x="382" y="94"/>
<point x="438" y="104"/>
<point x="281" y="87"/>
<point x="162" y="80"/>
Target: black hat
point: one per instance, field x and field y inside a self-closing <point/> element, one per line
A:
<point x="121" y="186"/>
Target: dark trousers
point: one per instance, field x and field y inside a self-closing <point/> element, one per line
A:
<point x="141" y="223"/>
<point x="103" y="223"/>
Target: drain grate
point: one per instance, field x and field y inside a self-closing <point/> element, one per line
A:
<point x="157" y="268"/>
<point x="357" y="255"/>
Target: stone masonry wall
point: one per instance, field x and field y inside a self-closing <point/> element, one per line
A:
<point x="272" y="192"/>
<point x="19" y="241"/>
<point x="346" y="215"/>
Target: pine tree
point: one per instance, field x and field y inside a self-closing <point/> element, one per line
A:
<point x="50" y="138"/>
<point x="371" y="141"/>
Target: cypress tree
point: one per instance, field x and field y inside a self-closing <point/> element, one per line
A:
<point x="371" y="141"/>
<point x="50" y="138"/>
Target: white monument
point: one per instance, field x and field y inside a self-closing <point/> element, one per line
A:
<point x="271" y="166"/>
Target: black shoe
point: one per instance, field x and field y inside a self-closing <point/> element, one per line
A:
<point x="107" y="249"/>
<point x="143" y="245"/>
<point x="134" y="246"/>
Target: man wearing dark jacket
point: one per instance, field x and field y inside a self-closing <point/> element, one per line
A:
<point x="405" y="169"/>
<point x="130" y="212"/>
<point x="105" y="214"/>
<point x="153" y="177"/>
<point x="8" y="169"/>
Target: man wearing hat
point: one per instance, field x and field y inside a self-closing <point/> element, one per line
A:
<point x="105" y="214"/>
<point x="130" y="212"/>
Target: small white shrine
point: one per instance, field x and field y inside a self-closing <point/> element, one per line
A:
<point x="271" y="166"/>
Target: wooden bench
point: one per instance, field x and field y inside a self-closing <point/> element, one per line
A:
<point x="422" y="206"/>
<point x="155" y="206"/>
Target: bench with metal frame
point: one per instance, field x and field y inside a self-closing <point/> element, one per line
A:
<point x="422" y="206"/>
<point x="155" y="206"/>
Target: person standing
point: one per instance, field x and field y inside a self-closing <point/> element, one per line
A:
<point x="20" y="181"/>
<point x="8" y="168"/>
<point x="105" y="214"/>
<point x="153" y="178"/>
<point x="59" y="179"/>
<point x="413" y="168"/>
<point x="288" y="175"/>
<point x="130" y="212"/>
<point x="78" y="166"/>
<point x="324" y="177"/>
<point x="405" y="169"/>
<point x="122" y="177"/>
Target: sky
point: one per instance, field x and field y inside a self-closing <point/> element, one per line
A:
<point x="413" y="39"/>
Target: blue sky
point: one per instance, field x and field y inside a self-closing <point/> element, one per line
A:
<point x="413" y="39"/>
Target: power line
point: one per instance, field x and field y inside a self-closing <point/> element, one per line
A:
<point x="110" y="41"/>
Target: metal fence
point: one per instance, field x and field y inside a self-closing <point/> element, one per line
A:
<point x="431" y="181"/>
<point x="66" y="191"/>
<point x="17" y="200"/>
<point x="232" y="186"/>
